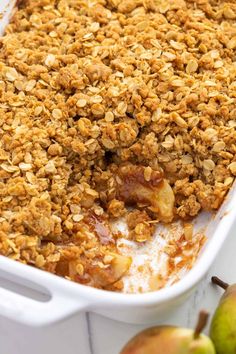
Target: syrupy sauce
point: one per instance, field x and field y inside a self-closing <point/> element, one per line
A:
<point x="19" y="2"/>
<point x="133" y="181"/>
<point x="100" y="227"/>
<point x="134" y="174"/>
<point x="183" y="252"/>
<point x="161" y="261"/>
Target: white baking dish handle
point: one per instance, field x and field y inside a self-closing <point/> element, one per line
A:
<point x="29" y="311"/>
<point x="35" y="313"/>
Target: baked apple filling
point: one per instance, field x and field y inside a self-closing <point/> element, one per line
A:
<point x="144" y="187"/>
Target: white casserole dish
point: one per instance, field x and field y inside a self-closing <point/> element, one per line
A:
<point x="65" y="298"/>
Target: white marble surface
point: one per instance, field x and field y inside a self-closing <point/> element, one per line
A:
<point x="93" y="334"/>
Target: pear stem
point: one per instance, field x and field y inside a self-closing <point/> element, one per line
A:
<point x="219" y="282"/>
<point x="201" y="324"/>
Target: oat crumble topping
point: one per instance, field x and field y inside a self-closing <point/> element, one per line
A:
<point x="106" y="104"/>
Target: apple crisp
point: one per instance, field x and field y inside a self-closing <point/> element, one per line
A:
<point x="113" y="109"/>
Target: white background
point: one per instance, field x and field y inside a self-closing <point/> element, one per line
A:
<point x="94" y="334"/>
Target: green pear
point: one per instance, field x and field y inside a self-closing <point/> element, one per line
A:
<point x="223" y="325"/>
<point x="172" y="340"/>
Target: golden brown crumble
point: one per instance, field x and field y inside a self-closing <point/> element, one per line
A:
<point x="107" y="103"/>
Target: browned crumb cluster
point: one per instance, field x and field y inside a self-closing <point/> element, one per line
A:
<point x="106" y="103"/>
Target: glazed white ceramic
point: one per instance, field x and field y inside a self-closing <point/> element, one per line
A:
<point x="63" y="298"/>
